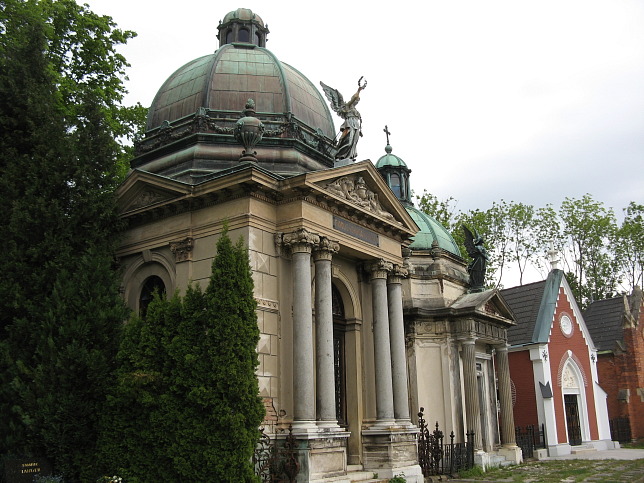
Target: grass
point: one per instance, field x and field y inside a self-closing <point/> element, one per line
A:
<point x="568" y="471"/>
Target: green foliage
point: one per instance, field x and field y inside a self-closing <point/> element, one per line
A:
<point x="398" y="479"/>
<point x="599" y="257"/>
<point x="472" y="472"/>
<point x="187" y="406"/>
<point x="589" y="231"/>
<point x="60" y="312"/>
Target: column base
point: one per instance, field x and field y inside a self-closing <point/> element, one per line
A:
<point x="304" y="427"/>
<point x="391" y="450"/>
<point x="328" y="426"/>
<point x="322" y="455"/>
<point x="511" y="452"/>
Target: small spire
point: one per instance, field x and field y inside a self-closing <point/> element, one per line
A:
<point x="553" y="257"/>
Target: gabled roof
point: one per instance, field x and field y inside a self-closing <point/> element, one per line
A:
<point x="533" y="306"/>
<point x="487" y="303"/>
<point x="605" y="320"/>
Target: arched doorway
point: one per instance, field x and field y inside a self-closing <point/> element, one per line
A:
<point x="151" y="285"/>
<point x="572" y="392"/>
<point x="339" y="359"/>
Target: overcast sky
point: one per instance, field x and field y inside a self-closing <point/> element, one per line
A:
<point x="526" y="101"/>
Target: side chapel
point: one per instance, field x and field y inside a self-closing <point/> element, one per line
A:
<point x="362" y="300"/>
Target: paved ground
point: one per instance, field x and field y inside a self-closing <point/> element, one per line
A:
<point x="612" y="454"/>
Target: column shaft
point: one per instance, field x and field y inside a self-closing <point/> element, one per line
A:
<point x="382" y="346"/>
<point x="505" y="397"/>
<point x="325" y="381"/>
<point x="471" y="392"/>
<point x="398" y="352"/>
<point x="304" y="399"/>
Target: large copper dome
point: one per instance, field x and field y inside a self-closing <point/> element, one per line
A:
<point x="226" y="79"/>
<point x="191" y="125"/>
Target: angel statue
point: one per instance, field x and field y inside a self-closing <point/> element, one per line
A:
<point x="476" y="268"/>
<point x="350" y="131"/>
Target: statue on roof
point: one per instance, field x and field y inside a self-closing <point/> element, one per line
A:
<point x="350" y="131"/>
<point x="475" y="249"/>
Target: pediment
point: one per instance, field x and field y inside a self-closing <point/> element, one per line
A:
<point x="143" y="190"/>
<point x="360" y="187"/>
<point x="488" y="303"/>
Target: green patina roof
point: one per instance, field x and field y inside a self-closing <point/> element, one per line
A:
<point x="390" y="160"/>
<point x="431" y="230"/>
<point x="226" y="79"/>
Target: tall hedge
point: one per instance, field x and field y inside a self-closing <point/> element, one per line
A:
<point x="187" y="407"/>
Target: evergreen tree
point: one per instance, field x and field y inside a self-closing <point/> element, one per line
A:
<point x="187" y="407"/>
<point x="60" y="313"/>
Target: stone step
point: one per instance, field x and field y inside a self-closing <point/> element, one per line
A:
<point x="584" y="448"/>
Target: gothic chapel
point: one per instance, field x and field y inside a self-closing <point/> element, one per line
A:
<point x="362" y="300"/>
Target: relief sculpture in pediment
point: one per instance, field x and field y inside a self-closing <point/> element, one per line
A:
<point x="146" y="198"/>
<point x="354" y="189"/>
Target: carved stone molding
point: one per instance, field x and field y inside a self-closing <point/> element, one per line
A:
<point x="182" y="249"/>
<point x="354" y="189"/>
<point x="267" y="305"/>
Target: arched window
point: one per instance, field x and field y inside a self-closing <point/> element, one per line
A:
<point x="229" y="36"/>
<point x="150" y="286"/>
<point x="244" y="35"/>
<point x="258" y="40"/>
<point x="395" y="184"/>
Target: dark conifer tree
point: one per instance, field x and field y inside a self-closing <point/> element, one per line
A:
<point x="187" y="405"/>
<point x="60" y="311"/>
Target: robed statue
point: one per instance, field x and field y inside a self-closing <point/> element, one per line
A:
<point x="350" y="131"/>
<point x="476" y="268"/>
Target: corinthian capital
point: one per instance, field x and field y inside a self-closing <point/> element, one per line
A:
<point x="379" y="268"/>
<point x="300" y="240"/>
<point x="325" y="249"/>
<point x="397" y="274"/>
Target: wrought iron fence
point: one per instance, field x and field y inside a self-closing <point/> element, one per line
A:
<point x="529" y="439"/>
<point x="437" y="458"/>
<point x="275" y="460"/>
<point x="620" y="430"/>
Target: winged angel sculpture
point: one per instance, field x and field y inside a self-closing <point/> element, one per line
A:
<point x="350" y="131"/>
<point x="476" y="268"/>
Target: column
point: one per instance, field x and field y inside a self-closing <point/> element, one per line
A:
<point x="301" y="243"/>
<point x="505" y="396"/>
<point x="471" y="391"/>
<point x="325" y="380"/>
<point x="381" y="342"/>
<point x="397" y="340"/>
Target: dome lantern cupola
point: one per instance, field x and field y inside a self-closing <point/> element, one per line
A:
<point x="242" y="26"/>
<point x="432" y="237"/>
<point x="395" y="173"/>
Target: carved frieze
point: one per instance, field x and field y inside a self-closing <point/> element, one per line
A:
<point x="355" y="190"/>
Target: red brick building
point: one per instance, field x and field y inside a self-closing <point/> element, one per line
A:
<point x="553" y="367"/>
<point x="617" y="328"/>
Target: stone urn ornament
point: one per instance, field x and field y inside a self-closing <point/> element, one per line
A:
<point x="248" y="132"/>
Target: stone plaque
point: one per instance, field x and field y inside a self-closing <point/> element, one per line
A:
<point x="356" y="231"/>
<point x="23" y="470"/>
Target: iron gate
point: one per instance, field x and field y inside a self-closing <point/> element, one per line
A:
<point x="437" y="458"/>
<point x="275" y="460"/>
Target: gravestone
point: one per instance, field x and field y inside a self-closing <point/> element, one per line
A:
<point x="23" y="470"/>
